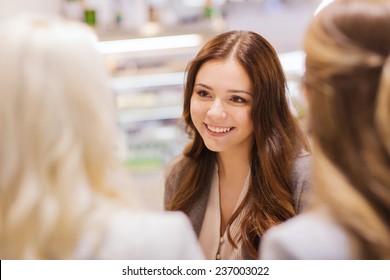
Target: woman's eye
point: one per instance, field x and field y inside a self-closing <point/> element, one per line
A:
<point x="238" y="99"/>
<point x="202" y="93"/>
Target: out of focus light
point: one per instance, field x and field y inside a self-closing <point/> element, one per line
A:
<point x="323" y="4"/>
<point x="148" y="44"/>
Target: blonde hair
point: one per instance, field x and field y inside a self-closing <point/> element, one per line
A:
<point x="58" y="140"/>
<point x="348" y="83"/>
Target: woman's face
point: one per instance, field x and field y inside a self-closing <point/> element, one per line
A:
<point x="221" y="106"/>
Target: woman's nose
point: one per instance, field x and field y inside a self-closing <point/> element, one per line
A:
<point x="216" y="109"/>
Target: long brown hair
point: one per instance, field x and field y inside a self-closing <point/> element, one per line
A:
<point x="277" y="138"/>
<point x="348" y="83"/>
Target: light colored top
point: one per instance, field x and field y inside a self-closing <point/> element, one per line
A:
<point x="308" y="236"/>
<point x="215" y="246"/>
<point x="141" y="236"/>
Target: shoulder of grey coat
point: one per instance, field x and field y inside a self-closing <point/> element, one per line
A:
<point x="302" y="181"/>
<point x="171" y="177"/>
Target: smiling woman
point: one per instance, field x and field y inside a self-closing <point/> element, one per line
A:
<point x="247" y="167"/>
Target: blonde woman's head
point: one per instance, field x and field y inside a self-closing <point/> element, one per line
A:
<point x="58" y="133"/>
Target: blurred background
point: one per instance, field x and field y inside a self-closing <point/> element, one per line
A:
<point x="147" y="44"/>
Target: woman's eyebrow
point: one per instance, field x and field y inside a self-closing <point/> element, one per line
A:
<point x="230" y="90"/>
<point x="240" y="91"/>
<point x="203" y="85"/>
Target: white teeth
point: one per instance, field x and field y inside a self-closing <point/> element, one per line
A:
<point x="218" y="129"/>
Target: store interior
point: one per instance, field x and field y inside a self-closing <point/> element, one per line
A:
<point x="147" y="44"/>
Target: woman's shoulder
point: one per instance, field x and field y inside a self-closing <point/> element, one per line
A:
<point x="302" y="169"/>
<point x="172" y="174"/>
<point x="302" y="162"/>
<point x="307" y="236"/>
<point x="302" y="181"/>
<point x="175" y="165"/>
<point x="148" y="235"/>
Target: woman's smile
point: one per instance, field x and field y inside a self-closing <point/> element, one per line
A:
<point x="219" y="130"/>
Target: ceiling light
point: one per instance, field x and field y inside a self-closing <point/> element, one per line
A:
<point x="151" y="43"/>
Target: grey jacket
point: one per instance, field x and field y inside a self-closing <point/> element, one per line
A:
<point x="302" y="181"/>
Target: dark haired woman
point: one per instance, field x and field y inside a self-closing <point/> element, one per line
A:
<point x="247" y="167"/>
